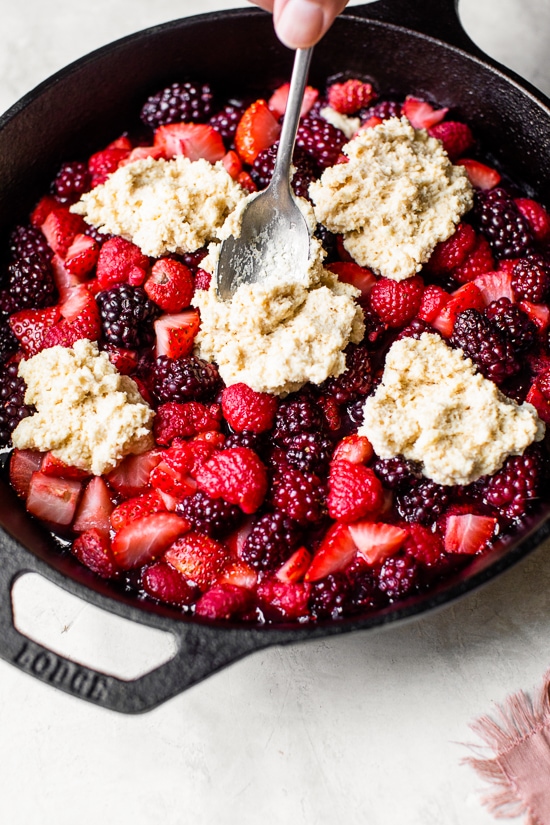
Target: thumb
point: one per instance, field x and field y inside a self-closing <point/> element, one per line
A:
<point x="302" y="23"/>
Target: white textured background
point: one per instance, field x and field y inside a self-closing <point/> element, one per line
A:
<point x="364" y="729"/>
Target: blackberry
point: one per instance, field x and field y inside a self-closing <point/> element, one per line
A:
<point x="329" y="242"/>
<point x="364" y="593"/>
<point x="329" y="596"/>
<point x="212" y="516"/>
<point x="309" y="452"/>
<point x="320" y="139"/>
<point x="248" y="439"/>
<point x="12" y="402"/>
<point x="306" y="170"/>
<point x="384" y="109"/>
<point x="481" y="340"/>
<point x="502" y="223"/>
<point x="127" y="316"/>
<point x="515" y="487"/>
<point x="227" y="119"/>
<point x="396" y="473"/>
<point x="297" y="414"/>
<point x="271" y="541"/>
<point x="374" y="327"/>
<point x="8" y="341"/>
<point x="178" y="102"/>
<point x="531" y="279"/>
<point x="29" y="242"/>
<point x="72" y="180"/>
<point x="415" y="329"/>
<point x="399" y="576"/>
<point x="356" y="381"/>
<point x="423" y="501"/>
<point x="513" y="322"/>
<point x="184" y="379"/>
<point x="31" y="283"/>
<point x="300" y="495"/>
<point x="192" y="260"/>
<point x="354" y="412"/>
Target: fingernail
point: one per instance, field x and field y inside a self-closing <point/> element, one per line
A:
<point x="300" y="24"/>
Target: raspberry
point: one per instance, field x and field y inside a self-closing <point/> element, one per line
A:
<point x="29" y="242"/>
<point x="298" y="414"/>
<point x="173" y="420"/>
<point x="127" y="316"/>
<point x="320" y="139"/>
<point x="283" y="600"/>
<point x="536" y="216"/>
<point x="513" y="322"/>
<point x="481" y="340"/>
<point x="224" y="601"/>
<point x="271" y="541"/>
<point x="184" y="379"/>
<point x="163" y="582"/>
<point x="121" y="261"/>
<point x="237" y="475"/>
<point x="329" y="596"/>
<point x="456" y="137"/>
<point x="306" y="170"/>
<point x="502" y="223"/>
<point x="356" y="381"/>
<point x="225" y="121"/>
<point x="212" y="516"/>
<point x="396" y="302"/>
<point x="398" y="577"/>
<point x="299" y="495"/>
<point x="12" y="401"/>
<point x="189" y="102"/>
<point x="515" y="488"/>
<point x="479" y="260"/>
<point x="354" y="492"/>
<point x="423" y="501"/>
<point x="350" y="96"/>
<point x="424" y="545"/>
<point x="395" y="473"/>
<point x="245" y="409"/>
<point x="72" y="180"/>
<point x="531" y="279"/>
<point x="453" y="252"/>
<point x="384" y="109"/>
<point x="309" y="452"/>
<point x="31" y="283"/>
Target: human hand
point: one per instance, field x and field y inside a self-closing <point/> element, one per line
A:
<point x="301" y="23"/>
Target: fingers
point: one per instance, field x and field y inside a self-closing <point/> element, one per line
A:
<point x="301" y="23"/>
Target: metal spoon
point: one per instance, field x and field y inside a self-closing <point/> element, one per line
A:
<point x="273" y="227"/>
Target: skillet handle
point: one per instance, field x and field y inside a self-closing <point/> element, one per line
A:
<point x="201" y="650"/>
<point x="435" y="18"/>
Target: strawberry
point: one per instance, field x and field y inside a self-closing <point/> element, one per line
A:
<point x="175" y="420"/>
<point x="433" y="300"/>
<point x="284" y="600"/>
<point x="258" y="129"/>
<point x="421" y="114"/>
<point x="224" y="601"/>
<point x="245" y="409"/>
<point x="478" y="261"/>
<point x="199" y="558"/>
<point x="142" y="152"/>
<point x="146" y="538"/>
<point x="246" y="182"/>
<point x="23" y="463"/>
<point x="81" y="256"/>
<point x="495" y="285"/>
<point x="468" y="533"/>
<point x="93" y="549"/>
<point x="194" y="140"/>
<point x="124" y="360"/>
<point x="239" y="573"/>
<point x="104" y="163"/>
<point x="457" y="138"/>
<point x="81" y="319"/>
<point x="336" y="551"/>
<point x="296" y="566"/>
<point x="170" y="285"/>
<point x="351" y="273"/>
<point x="95" y="508"/>
<point x="396" y="302"/>
<point x="53" y="466"/>
<point x="278" y="100"/>
<point x="53" y="499"/>
<point x="232" y="163"/>
<point x="131" y="476"/>
<point x="376" y="541"/>
<point x="481" y="176"/>
<point x="466" y="297"/>
<point x="121" y="261"/>
<point x="236" y="540"/>
<point x="64" y="281"/>
<point x="349" y="97"/>
<point x="537" y="217"/>
<point x="170" y="480"/>
<point x="237" y="475"/>
<point x="43" y="209"/>
<point x="134" y="508"/>
<point x="451" y="253"/>
<point x="166" y="584"/>
<point x="61" y="228"/>
<point x="371" y="122"/>
<point x="175" y="334"/>
<point x="540" y="402"/>
<point x="30" y="327"/>
<point x="538" y="313"/>
<point x="355" y="449"/>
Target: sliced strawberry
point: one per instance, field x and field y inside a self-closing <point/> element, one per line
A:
<point x="64" y="281"/>
<point x="371" y="122"/>
<point x="421" y="114"/>
<point x="538" y="313"/>
<point x="122" y="142"/>
<point x="354" y="448"/>
<point x="258" y="129"/>
<point x="279" y="99"/>
<point x="232" y="163"/>
<point x="466" y="297"/>
<point x="481" y="176"/>
<point x="539" y="402"/>
<point x="170" y="285"/>
<point x="236" y="540"/>
<point x="165" y="583"/>
<point x="23" y="463"/>
<point x="124" y="360"/>
<point x="175" y="334"/>
<point x="61" y="228"/>
<point x="93" y="549"/>
<point x="142" y="152"/>
<point x="194" y="140"/>
<point x="375" y="541"/>
<point x="468" y="533"/>
<point x="120" y="261"/>
<point x="81" y="319"/>
<point x="145" y="539"/>
<point x="53" y="466"/>
<point x="335" y="552"/>
<point x="169" y="480"/>
<point x="104" y="163"/>
<point x="31" y="325"/>
<point x="358" y="276"/>
<point x="134" y="508"/>
<point x="198" y="557"/>
<point x="495" y="285"/>
<point x="224" y="601"/>
<point x="43" y="209"/>
<point x="238" y="573"/>
<point x="95" y="508"/>
<point x="81" y="256"/>
<point x="295" y="568"/>
<point x="245" y="180"/>
<point x="131" y="476"/>
<point x="53" y="499"/>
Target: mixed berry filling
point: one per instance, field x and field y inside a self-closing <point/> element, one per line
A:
<point x="251" y="507"/>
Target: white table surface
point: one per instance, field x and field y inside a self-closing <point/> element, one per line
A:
<point x="366" y="728"/>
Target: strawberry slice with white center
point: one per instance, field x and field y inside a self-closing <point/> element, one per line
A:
<point x="279" y="99"/>
<point x="295" y="567"/>
<point x="481" y="176"/>
<point x="60" y="228"/>
<point x="495" y="285"/>
<point x="95" y="508"/>
<point x="81" y="256"/>
<point x="466" y="297"/>
<point x="421" y="114"/>
<point x="63" y="279"/>
<point x="358" y="276"/>
<point x="468" y="533"/>
<point x="239" y="574"/>
<point x="53" y="466"/>
<point x="145" y="539"/>
<point x="137" y="507"/>
<point x="81" y="319"/>
<point x="194" y="140"/>
<point x="375" y="541"/>
<point x="31" y="325"/>
<point x="258" y="129"/>
<point x="538" y="313"/>
<point x="53" y="499"/>
<point x="131" y="476"/>
<point x="175" y="334"/>
<point x="23" y="463"/>
<point x="335" y="552"/>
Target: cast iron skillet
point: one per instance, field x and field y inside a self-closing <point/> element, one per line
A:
<point x="405" y="47"/>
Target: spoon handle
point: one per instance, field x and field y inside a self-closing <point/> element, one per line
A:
<point x="281" y="172"/>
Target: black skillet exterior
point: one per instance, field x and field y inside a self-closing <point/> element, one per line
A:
<point x="405" y="48"/>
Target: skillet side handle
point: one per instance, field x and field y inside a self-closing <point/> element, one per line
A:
<point x="201" y="651"/>
<point x="435" y="18"/>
